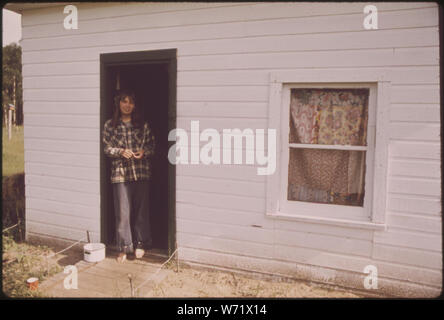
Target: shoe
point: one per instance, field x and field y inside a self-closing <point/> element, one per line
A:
<point x="121" y="258"/>
<point x="139" y="253"/>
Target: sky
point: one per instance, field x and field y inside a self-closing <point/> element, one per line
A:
<point x="12" y="27"/>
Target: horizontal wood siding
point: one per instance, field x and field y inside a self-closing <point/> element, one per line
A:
<point x="225" y="54"/>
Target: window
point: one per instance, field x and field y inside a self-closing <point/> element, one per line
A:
<point x="328" y="151"/>
<point x="329" y="141"/>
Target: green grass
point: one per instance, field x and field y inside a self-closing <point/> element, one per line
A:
<point x="13" y="152"/>
<point x="22" y="261"/>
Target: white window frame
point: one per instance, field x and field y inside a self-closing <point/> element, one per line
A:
<point x="372" y="215"/>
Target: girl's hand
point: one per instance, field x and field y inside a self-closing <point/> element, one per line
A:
<point x="138" y="154"/>
<point x="127" y="153"/>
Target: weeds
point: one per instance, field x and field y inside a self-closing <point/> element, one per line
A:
<point x="22" y="261"/>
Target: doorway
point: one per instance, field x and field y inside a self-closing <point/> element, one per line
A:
<point x="152" y="76"/>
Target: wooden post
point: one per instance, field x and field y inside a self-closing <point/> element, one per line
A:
<point x="14" y="121"/>
<point x="177" y="259"/>
<point x="130" y="278"/>
<point x="5" y="113"/>
<point x="9" y="123"/>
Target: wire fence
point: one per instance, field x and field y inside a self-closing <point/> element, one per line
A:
<point x="157" y="271"/>
<point x="134" y="291"/>
<point x="11" y="227"/>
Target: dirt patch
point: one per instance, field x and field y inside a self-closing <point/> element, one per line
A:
<point x="197" y="282"/>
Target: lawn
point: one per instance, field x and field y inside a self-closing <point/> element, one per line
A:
<point x="13" y="160"/>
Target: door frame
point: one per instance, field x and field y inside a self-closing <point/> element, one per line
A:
<point x="165" y="56"/>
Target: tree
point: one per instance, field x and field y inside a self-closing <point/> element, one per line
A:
<point x="12" y="72"/>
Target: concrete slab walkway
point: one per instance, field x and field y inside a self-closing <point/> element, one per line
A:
<point x="109" y="279"/>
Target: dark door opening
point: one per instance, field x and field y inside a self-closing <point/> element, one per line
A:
<point x="152" y="76"/>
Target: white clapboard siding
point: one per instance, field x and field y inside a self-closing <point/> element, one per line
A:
<point x="357" y="264"/>
<point x="386" y="271"/>
<point x="226" y="93"/>
<point x="57" y="145"/>
<point x="415" y="113"/>
<point x="203" y="14"/>
<point x="220" y="123"/>
<point x="415" y="222"/>
<point x="233" y="172"/>
<point x="360" y="39"/>
<point x="241" y="248"/>
<point x="410" y="274"/>
<point x="43" y="216"/>
<point x="237" y="110"/>
<point x="328" y="243"/>
<point x="224" y="216"/>
<point x="68" y="184"/>
<point x="408" y="256"/>
<point x="221" y="186"/>
<point x="340" y="58"/>
<point x="59" y="171"/>
<point x="427" y="56"/>
<point x="57" y="194"/>
<point x="401" y="75"/>
<point x="61" y="133"/>
<point x="56" y="120"/>
<point x="62" y="81"/>
<point x="348" y="233"/>
<point x="415" y="186"/>
<point x="416" y="168"/>
<point x="63" y="158"/>
<point x="61" y="107"/>
<point x="221" y="201"/>
<point x="94" y="12"/>
<point x="79" y="95"/>
<point x="321" y="258"/>
<point x="225" y="53"/>
<point x="62" y="208"/>
<point x="223" y="231"/>
<point x="415" y="93"/>
<point x="60" y="231"/>
<point x="415" y="131"/>
<point x="415" y="150"/>
<point x="414" y="204"/>
<point x="219" y="27"/>
<point x="410" y="239"/>
<point x="58" y="68"/>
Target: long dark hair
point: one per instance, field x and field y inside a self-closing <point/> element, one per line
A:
<point x="135" y="115"/>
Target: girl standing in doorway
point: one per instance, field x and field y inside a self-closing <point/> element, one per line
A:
<point x="130" y="144"/>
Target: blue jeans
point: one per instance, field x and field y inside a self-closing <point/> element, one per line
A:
<point x="131" y="205"/>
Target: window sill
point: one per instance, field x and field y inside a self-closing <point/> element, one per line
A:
<point x="330" y="221"/>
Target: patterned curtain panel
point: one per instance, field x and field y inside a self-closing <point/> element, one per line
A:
<point x="332" y="117"/>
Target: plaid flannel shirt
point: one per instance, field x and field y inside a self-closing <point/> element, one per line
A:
<point x="122" y="137"/>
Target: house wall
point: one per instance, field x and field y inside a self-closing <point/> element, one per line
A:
<point x="225" y="54"/>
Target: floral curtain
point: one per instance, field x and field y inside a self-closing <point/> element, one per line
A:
<point x="332" y="117"/>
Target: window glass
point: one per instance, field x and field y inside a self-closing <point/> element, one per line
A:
<point x="334" y="117"/>
<point x="329" y="116"/>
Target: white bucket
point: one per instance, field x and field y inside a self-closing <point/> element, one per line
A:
<point x="94" y="252"/>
